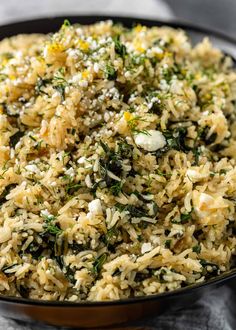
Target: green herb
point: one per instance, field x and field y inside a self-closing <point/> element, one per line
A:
<point x="98" y="263"/>
<point x="70" y="275"/>
<point x="110" y="237"/>
<point x="33" y="138"/>
<point x="14" y="139"/>
<point x="78" y="247"/>
<point x="110" y="162"/>
<point x="168" y="243"/>
<point x="66" y="23"/>
<point x="60" y="83"/>
<point x="61" y="90"/>
<point x="71" y="188"/>
<point x="176" y="139"/>
<point x="116" y="188"/>
<point x="3" y="76"/>
<point x="38" y="145"/>
<point x="204" y="136"/>
<point x="50" y="226"/>
<point x="23" y="291"/>
<point x="133" y="210"/>
<point x="7" y="55"/>
<point x="160" y="173"/>
<point x="140" y="238"/>
<point x="223" y="171"/>
<point x="41" y="84"/>
<point x="209" y="269"/>
<point x="120" y="49"/>
<point x="196" y="153"/>
<point x="185" y="217"/>
<point x="132" y="123"/>
<point x="110" y="72"/>
<point x="53" y="229"/>
<point x="196" y="248"/>
<point x="125" y="150"/>
<point x="35" y="250"/>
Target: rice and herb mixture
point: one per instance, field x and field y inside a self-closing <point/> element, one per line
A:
<point x="117" y="162"/>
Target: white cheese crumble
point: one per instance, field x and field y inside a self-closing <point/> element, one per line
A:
<point x="81" y="160"/>
<point x="95" y="207"/>
<point x="96" y="67"/>
<point x="146" y="247"/>
<point x="151" y="141"/>
<point x="70" y="172"/>
<point x="45" y="213"/>
<point x="32" y="168"/>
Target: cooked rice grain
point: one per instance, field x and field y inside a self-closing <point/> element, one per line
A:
<point x="117" y="162"/>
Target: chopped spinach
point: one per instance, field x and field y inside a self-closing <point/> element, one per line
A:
<point x="109" y="238"/>
<point x="133" y="210"/>
<point x="207" y="139"/>
<point x="116" y="188"/>
<point x="23" y="291"/>
<point x="176" y="139"/>
<point x="70" y="275"/>
<point x="14" y="139"/>
<point x="50" y="227"/>
<point x="209" y="269"/>
<point x="35" y="250"/>
<point x="111" y="162"/>
<point x="196" y="248"/>
<point x="78" y="247"/>
<point x="185" y="217"/>
<point x="168" y="243"/>
<point x="125" y="150"/>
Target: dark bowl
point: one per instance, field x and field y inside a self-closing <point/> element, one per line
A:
<point x="104" y="314"/>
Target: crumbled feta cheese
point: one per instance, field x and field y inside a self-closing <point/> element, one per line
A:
<point x="146" y="247"/>
<point x="32" y="168"/>
<point x="81" y="160"/>
<point x="70" y="172"/>
<point x="45" y="213"/>
<point x="151" y="141"/>
<point x="96" y="67"/>
<point x="95" y="207"/>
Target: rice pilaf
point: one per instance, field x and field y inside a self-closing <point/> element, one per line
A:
<point x="117" y="162"/>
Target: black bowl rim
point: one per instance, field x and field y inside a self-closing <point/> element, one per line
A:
<point x="165" y="295"/>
